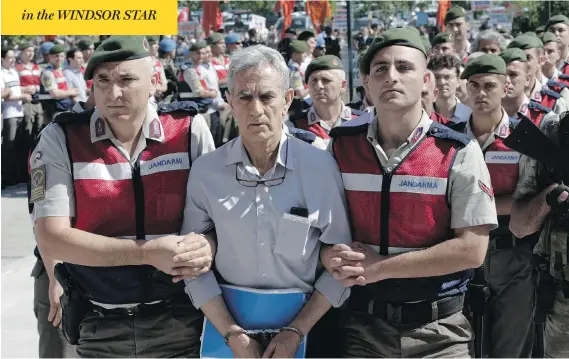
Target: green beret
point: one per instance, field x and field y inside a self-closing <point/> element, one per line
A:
<point x="442" y="38"/>
<point x="548" y="37"/>
<point x="27" y="45"/>
<point x="84" y="44"/>
<point x="557" y="19"/>
<point x="484" y="64"/>
<point x="391" y="37"/>
<point x="57" y="49"/>
<point x="117" y="48"/>
<point x="513" y="54"/>
<point x="326" y="62"/>
<point x="305" y="35"/>
<point x="454" y="13"/>
<point x="540" y="28"/>
<point x="529" y="40"/>
<point x="152" y="40"/>
<point x="426" y="43"/>
<point x="298" y="46"/>
<point x="414" y="29"/>
<point x="198" y="45"/>
<point x="215" y="37"/>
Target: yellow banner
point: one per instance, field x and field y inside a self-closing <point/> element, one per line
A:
<point x="91" y="17"/>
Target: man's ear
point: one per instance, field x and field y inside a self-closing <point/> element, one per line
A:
<point x="288" y="97"/>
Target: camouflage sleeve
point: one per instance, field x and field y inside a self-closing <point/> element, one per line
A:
<point x="48" y="81"/>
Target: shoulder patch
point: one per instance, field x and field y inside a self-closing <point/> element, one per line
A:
<point x="444" y="132"/>
<point x="553" y="83"/>
<point x="37" y="179"/>
<point x="187" y="106"/>
<point x="536" y="106"/>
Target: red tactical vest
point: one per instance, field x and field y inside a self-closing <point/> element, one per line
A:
<point x="502" y="164"/>
<point x="221" y="67"/>
<point x="565" y="68"/>
<point x="316" y="128"/>
<point x="88" y="82"/>
<point x="538" y="109"/>
<point x="158" y="69"/>
<point x="564" y="79"/>
<point x="406" y="208"/>
<point x="438" y="118"/>
<point x="29" y="77"/>
<point x="116" y="199"/>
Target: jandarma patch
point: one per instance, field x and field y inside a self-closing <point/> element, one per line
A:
<point x="37" y="192"/>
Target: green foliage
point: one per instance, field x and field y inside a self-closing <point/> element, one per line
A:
<point x="536" y="13"/>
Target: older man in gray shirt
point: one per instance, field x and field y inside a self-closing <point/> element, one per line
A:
<point x="273" y="201"/>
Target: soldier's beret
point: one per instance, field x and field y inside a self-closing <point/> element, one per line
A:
<point x="306" y="34"/>
<point x="540" y="28"/>
<point x="57" y="49"/>
<point x="513" y="54"/>
<point x="117" y="48"/>
<point x="442" y="38"/>
<point x="326" y="62"/>
<point x="557" y="19"/>
<point x="198" y="45"/>
<point x="215" y="37"/>
<point x="548" y="37"/>
<point x="529" y="40"/>
<point x="426" y="43"/>
<point x="392" y="37"/>
<point x="454" y="13"/>
<point x="298" y="46"/>
<point x="27" y="45"/>
<point x="84" y="44"/>
<point x="484" y="64"/>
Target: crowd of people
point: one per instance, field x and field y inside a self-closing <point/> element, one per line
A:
<point x="382" y="209"/>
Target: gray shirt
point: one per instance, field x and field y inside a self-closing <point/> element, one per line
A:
<point x="51" y="151"/>
<point x="75" y="79"/>
<point x="260" y="243"/>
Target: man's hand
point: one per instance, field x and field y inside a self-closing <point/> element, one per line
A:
<point x="193" y="262"/>
<point x="352" y="265"/>
<point x="55" y="292"/>
<point x="243" y="346"/>
<point x="161" y="252"/>
<point x="283" y="345"/>
<point x="26" y="97"/>
<point x="74" y="92"/>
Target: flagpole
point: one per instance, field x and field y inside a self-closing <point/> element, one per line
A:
<point x="349" y="40"/>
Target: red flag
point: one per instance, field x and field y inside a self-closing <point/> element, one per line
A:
<point x="286" y="7"/>
<point x="183" y="14"/>
<point x="318" y="10"/>
<point x="444" y="5"/>
<point x="212" y="17"/>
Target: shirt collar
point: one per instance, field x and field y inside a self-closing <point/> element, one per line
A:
<point x="151" y="127"/>
<point x="535" y="91"/>
<point x="418" y="132"/>
<point x="502" y="130"/>
<point x="238" y="154"/>
<point x="345" y="115"/>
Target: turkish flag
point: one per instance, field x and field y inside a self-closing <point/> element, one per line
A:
<point x="212" y="17"/>
<point x="318" y="10"/>
<point x="183" y="14"/>
<point x="444" y="5"/>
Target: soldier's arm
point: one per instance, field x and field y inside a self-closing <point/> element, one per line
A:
<point x="191" y="77"/>
<point x="50" y="84"/>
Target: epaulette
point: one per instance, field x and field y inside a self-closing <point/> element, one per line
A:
<point x="553" y="83"/>
<point x="353" y="127"/>
<point x="442" y="131"/>
<point x="563" y="76"/>
<point x="187" y="106"/>
<point x="67" y="118"/>
<point x="536" y="106"/>
<point x="458" y="126"/>
<point x="302" y="135"/>
<point x="551" y="93"/>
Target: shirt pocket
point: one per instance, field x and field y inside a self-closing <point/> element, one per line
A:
<point x="292" y="237"/>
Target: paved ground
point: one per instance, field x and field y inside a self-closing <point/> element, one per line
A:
<point x="19" y="335"/>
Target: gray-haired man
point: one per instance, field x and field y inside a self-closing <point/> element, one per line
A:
<point x="273" y="200"/>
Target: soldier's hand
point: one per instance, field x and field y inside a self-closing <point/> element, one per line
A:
<point x="361" y="274"/>
<point x="26" y="97"/>
<point x="55" y="291"/>
<point x="161" y="251"/>
<point x="340" y="255"/>
<point x="193" y="262"/>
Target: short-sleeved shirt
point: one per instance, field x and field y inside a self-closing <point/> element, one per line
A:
<point x="262" y="242"/>
<point x="461" y="112"/>
<point x="48" y="80"/>
<point x="75" y="79"/>
<point x="51" y="152"/>
<point x="470" y="204"/>
<point x="11" y="80"/>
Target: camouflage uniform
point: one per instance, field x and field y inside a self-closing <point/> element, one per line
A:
<point x="552" y="240"/>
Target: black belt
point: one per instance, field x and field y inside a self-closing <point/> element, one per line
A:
<point x="510" y="241"/>
<point x="409" y="313"/>
<point x="145" y="309"/>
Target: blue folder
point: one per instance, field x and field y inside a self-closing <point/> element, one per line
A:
<point x="254" y="309"/>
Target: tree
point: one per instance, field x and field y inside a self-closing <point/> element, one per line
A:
<point x="536" y="13"/>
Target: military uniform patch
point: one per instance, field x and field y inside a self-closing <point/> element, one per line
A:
<point x="37" y="192"/>
<point x="486" y="189"/>
<point x="417" y="135"/>
<point x="46" y="80"/>
<point x="503" y="131"/>
<point x="156" y="132"/>
<point x="99" y="127"/>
